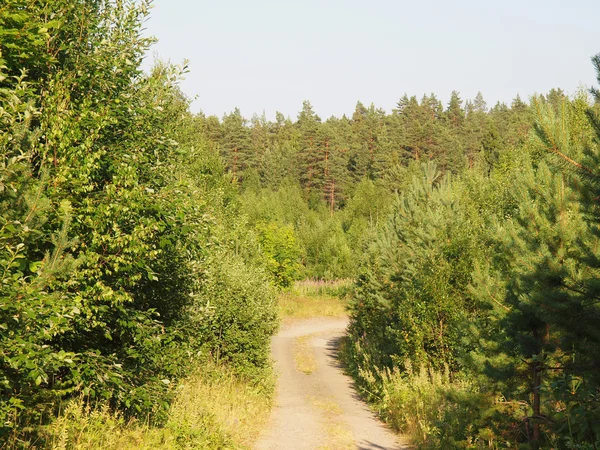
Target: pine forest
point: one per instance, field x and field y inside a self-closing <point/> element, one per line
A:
<point x="145" y="251"/>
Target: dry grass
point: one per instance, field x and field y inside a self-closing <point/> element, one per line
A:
<point x="339" y="437"/>
<point x="311" y="298"/>
<point x="214" y="409"/>
<point x="304" y="355"/>
<point x="293" y="307"/>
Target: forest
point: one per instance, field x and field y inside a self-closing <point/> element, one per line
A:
<point x="141" y="242"/>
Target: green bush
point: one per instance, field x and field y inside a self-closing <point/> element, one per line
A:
<point x="282" y="252"/>
<point x="241" y="310"/>
<point x="121" y="251"/>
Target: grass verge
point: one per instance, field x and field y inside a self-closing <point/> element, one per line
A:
<point x="429" y="407"/>
<point x="213" y="409"/>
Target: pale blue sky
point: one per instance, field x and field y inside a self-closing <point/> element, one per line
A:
<point x="268" y="55"/>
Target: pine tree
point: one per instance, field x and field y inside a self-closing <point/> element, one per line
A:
<point x="552" y="291"/>
<point x="455" y="113"/>
<point x="491" y="146"/>
<point x="519" y="122"/>
<point x="475" y="127"/>
<point x="235" y="143"/>
<point x="365" y="147"/>
<point x="479" y="104"/>
<point x="311" y="155"/>
<point x="259" y="141"/>
<point x="418" y="120"/>
<point x="337" y="174"/>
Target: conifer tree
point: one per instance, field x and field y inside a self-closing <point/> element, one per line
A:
<point x="551" y="325"/>
<point x="491" y="146"/>
<point x="416" y="119"/>
<point x="455" y="112"/>
<point x="311" y="155"/>
<point x="259" y="140"/>
<point x="479" y="104"/>
<point x="337" y="174"/>
<point x="235" y="143"/>
<point x="475" y="127"/>
<point x="520" y="122"/>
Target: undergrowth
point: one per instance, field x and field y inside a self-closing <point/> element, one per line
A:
<point x="430" y="407"/>
<point x="314" y="298"/>
<point x="213" y="409"/>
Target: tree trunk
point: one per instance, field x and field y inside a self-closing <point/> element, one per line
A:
<point x="542" y="336"/>
<point x="332" y="197"/>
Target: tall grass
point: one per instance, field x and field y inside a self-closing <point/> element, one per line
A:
<point x="429" y="407"/>
<point x="315" y="298"/>
<point x="316" y="287"/>
<point x="213" y="409"/>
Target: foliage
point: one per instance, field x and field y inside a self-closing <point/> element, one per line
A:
<point x="241" y="312"/>
<point x="214" y="408"/>
<point x="287" y="224"/>
<point x="115" y="220"/>
<point x="330" y="158"/>
<point x="414" y="285"/>
<point x="281" y="250"/>
<point x="491" y="279"/>
<point x="129" y="252"/>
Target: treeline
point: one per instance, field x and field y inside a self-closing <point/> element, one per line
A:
<point x="474" y="322"/>
<point x="124" y="259"/>
<point x="331" y="184"/>
<point x="328" y="158"/>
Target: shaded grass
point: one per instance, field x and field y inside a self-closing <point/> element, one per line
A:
<point x="436" y="411"/>
<point x="430" y="407"/>
<point x="213" y="409"/>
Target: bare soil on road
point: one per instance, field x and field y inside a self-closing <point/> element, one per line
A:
<point x="319" y="410"/>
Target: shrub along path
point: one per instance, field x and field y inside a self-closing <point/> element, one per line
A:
<point x="316" y="406"/>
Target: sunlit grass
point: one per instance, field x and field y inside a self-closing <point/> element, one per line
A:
<point x="294" y="307"/>
<point x="304" y="355"/>
<point x="315" y="287"/>
<point x="339" y="436"/>
<point x="213" y="409"/>
<point x="313" y="298"/>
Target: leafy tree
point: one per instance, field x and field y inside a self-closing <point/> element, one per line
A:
<point x="282" y="252"/>
<point x="112" y="214"/>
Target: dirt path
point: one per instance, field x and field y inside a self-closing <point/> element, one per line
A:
<point x="319" y="410"/>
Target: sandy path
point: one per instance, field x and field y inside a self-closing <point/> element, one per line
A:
<point x="321" y="410"/>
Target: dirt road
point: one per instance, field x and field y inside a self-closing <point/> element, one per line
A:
<point x="319" y="410"/>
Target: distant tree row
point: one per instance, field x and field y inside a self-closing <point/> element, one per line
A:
<point x="329" y="157"/>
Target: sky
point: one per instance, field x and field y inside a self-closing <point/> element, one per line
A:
<point x="271" y="55"/>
